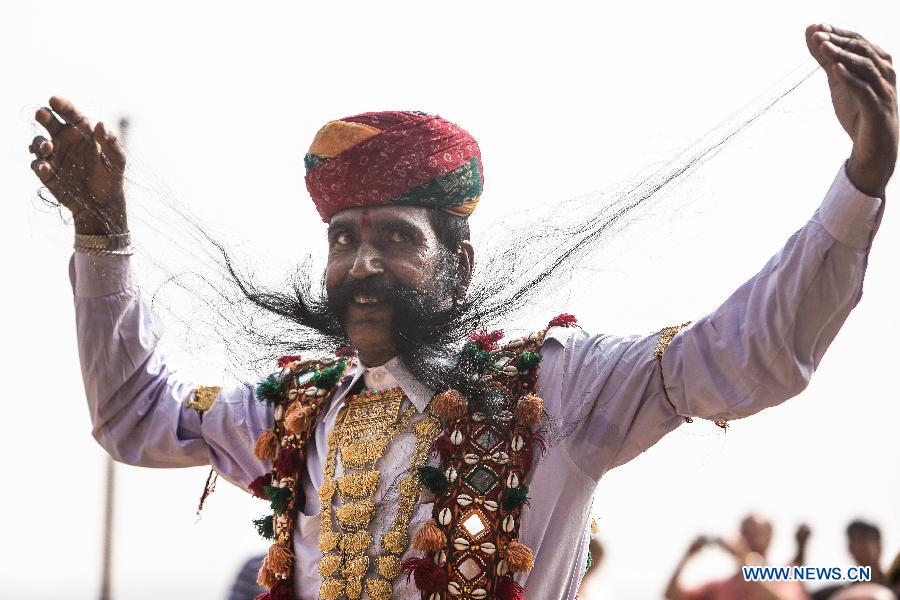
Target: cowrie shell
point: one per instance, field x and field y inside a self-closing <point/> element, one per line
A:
<point x="509" y="523"/>
<point x="445" y="516"/>
<point x="471" y="459"/>
<point x="517" y="443"/>
<point x="454" y="588"/>
<point x="488" y="548"/>
<point x="502" y="568"/>
<point x="451" y="474"/>
<point x="479" y="594"/>
<point x="311" y="391"/>
<point x="478" y="417"/>
<point x="505" y="416"/>
<point x="490" y="505"/>
<point x="501" y="458"/>
<point x="456" y="438"/>
<point x="440" y="558"/>
<point x="512" y="481"/>
<point x="461" y="544"/>
<point x="464" y="499"/>
<point x="279" y="412"/>
<point x="516" y="344"/>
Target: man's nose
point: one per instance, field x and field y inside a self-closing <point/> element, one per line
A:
<point x="368" y="262"/>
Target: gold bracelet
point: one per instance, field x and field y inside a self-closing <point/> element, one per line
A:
<point x="104" y="245"/>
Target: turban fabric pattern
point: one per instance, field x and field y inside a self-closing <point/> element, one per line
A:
<point x="406" y="158"/>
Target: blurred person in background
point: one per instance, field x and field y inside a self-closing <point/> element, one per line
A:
<point x="864" y="546"/>
<point x="592" y="586"/>
<point x="245" y="586"/>
<point x="750" y="549"/>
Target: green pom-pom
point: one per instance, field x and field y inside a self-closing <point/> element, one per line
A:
<point x="269" y="389"/>
<point x="433" y="479"/>
<point x="327" y="378"/>
<point x="479" y="357"/>
<point x="278" y="497"/>
<point x="265" y="526"/>
<point x="528" y="360"/>
<point x="514" y="497"/>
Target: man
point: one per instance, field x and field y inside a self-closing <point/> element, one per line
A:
<point x="750" y="549"/>
<point x="404" y="454"/>
<point x="864" y="546"/>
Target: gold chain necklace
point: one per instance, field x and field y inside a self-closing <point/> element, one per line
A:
<point x="364" y="428"/>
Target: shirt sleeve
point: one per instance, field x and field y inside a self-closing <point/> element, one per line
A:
<point x="756" y="350"/>
<point x="138" y="404"/>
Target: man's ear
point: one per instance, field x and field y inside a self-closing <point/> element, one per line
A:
<point x="465" y="264"/>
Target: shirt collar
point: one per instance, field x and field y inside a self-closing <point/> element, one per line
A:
<point x="394" y="373"/>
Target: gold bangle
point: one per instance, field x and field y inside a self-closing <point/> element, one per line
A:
<point x="104" y="245"/>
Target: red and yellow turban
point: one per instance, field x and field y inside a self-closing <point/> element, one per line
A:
<point x="394" y="158"/>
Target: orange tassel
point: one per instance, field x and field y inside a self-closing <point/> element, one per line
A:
<point x="279" y="558"/>
<point x="295" y="420"/>
<point x="266" y="445"/>
<point x="519" y="557"/>
<point x="450" y="405"/>
<point x="429" y="538"/>
<point x="266" y="578"/>
<point x="530" y="410"/>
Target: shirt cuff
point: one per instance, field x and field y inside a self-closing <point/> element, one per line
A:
<point x="96" y="276"/>
<point x="850" y="216"/>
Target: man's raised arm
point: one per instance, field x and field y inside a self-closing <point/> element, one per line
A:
<point x="141" y="412"/>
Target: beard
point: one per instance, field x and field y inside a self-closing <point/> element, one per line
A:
<point x="426" y="325"/>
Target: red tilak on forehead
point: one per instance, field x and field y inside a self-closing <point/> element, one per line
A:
<point x="366" y="220"/>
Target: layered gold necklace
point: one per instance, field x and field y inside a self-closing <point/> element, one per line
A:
<point x="363" y="430"/>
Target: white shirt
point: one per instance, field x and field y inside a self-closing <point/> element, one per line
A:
<point x="604" y="393"/>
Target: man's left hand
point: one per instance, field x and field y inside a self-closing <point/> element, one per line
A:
<point x="864" y="93"/>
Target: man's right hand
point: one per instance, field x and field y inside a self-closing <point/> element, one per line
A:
<point x="83" y="167"/>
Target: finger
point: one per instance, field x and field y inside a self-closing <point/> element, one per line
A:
<point x="41" y="147"/>
<point x="861" y="66"/>
<point x="72" y="115"/>
<point x="862" y="47"/>
<point x="44" y="171"/>
<point x="853" y="35"/>
<point x="49" y="121"/>
<point x="813" y="45"/>
<point x="109" y="145"/>
<point x="859" y="87"/>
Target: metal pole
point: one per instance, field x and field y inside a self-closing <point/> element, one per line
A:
<point x="110" y="496"/>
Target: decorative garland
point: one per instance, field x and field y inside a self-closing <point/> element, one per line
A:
<point x="470" y="545"/>
<point x="297" y="393"/>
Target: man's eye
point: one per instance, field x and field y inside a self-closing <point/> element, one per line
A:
<point x="398" y="237"/>
<point x="343" y="238"/>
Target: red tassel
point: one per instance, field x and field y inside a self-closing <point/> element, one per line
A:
<point x="289" y="461"/>
<point x="442" y="448"/>
<point x="563" y="320"/>
<point x="429" y="577"/>
<point x="536" y="438"/>
<point x="487" y="340"/>
<point x="280" y="591"/>
<point x="288" y="359"/>
<point x="256" y="486"/>
<point x="507" y="589"/>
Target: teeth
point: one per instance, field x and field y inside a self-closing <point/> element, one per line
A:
<point x="365" y="299"/>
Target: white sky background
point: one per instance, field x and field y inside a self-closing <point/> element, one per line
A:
<point x="565" y="99"/>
